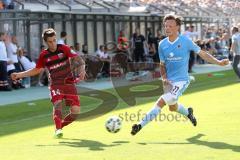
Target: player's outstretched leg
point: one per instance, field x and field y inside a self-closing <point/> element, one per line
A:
<point x="72" y="116"/>
<point x="136" y="128"/>
<point x="188" y="112"/>
<point x="69" y="119"/>
<point x="149" y="117"/>
<point x="58" y="133"/>
<point x="192" y="117"/>
<point x="57" y="118"/>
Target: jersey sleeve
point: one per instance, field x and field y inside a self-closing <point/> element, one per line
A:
<point x="40" y="62"/>
<point x="193" y="46"/>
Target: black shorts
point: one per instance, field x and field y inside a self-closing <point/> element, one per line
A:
<point x="139" y="55"/>
<point x="3" y="74"/>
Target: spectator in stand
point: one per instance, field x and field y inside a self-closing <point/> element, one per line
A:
<point x="103" y="55"/>
<point x="85" y="49"/>
<point x="8" y="4"/>
<point x="100" y="52"/>
<point x="211" y="46"/>
<point x="150" y="36"/>
<point x="151" y="45"/>
<point x="157" y="40"/>
<point x="25" y="61"/>
<point x="202" y="45"/>
<point x="218" y="46"/>
<point x="225" y="44"/>
<point x="190" y="33"/>
<point x="139" y="45"/>
<point x="77" y="48"/>
<point x="1" y="5"/>
<point x="4" y="85"/>
<point x="12" y="49"/>
<point x="122" y="42"/>
<point x="63" y="38"/>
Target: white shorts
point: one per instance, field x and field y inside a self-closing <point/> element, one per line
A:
<point x="173" y="91"/>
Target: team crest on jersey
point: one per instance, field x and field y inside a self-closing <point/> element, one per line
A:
<point x="172" y="57"/>
<point x="171" y="54"/>
<point x="179" y="46"/>
<point x="60" y="55"/>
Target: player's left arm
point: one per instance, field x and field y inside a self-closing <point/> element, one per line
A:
<point x="78" y="67"/>
<point x="77" y="63"/>
<point x="204" y="55"/>
<point x="209" y="58"/>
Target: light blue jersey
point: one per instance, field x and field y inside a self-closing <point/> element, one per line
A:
<point x="175" y="55"/>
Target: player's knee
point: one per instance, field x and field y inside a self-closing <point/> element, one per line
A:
<point x="172" y="108"/>
<point x="57" y="105"/>
<point x="161" y="103"/>
<point x="169" y="99"/>
<point x="75" y="110"/>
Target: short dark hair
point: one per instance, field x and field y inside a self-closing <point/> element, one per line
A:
<point x="48" y="33"/>
<point x="101" y="47"/>
<point x="42" y="47"/>
<point x="235" y="29"/>
<point x="63" y="34"/>
<point x="173" y="17"/>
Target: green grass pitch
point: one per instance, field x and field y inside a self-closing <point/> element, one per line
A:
<point x="26" y="131"/>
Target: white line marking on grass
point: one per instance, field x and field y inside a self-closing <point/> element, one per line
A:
<point x="25" y="119"/>
<point x="34" y="117"/>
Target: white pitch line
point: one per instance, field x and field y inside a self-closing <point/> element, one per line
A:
<point x="25" y="119"/>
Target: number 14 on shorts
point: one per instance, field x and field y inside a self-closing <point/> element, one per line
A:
<point x="55" y="92"/>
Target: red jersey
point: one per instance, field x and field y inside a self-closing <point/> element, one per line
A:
<point x="122" y="43"/>
<point x="57" y="63"/>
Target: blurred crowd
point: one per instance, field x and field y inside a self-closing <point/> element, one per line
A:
<point x="221" y="4"/>
<point x="13" y="58"/>
<point x="139" y="48"/>
<point x="6" y="4"/>
<point x="225" y="7"/>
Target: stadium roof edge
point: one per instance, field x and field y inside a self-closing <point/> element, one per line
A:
<point x="106" y="13"/>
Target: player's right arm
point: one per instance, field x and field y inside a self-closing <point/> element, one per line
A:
<point x="31" y="72"/>
<point x="163" y="70"/>
<point x="204" y="55"/>
<point x="28" y="73"/>
<point x="164" y="74"/>
<point x="163" y="67"/>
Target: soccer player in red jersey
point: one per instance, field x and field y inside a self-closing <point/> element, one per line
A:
<point x="65" y="69"/>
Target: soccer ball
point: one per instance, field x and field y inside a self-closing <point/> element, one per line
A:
<point x="113" y="124"/>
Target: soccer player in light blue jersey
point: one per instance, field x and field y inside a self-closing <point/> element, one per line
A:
<point x="174" y="53"/>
